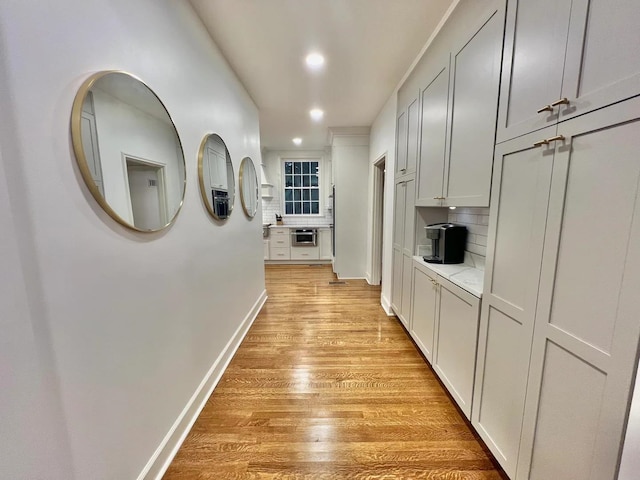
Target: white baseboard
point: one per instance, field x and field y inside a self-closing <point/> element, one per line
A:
<point x="386" y="304"/>
<point x="162" y="457"/>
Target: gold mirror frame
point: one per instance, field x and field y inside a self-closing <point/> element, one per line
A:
<point x="243" y="165"/>
<point x="81" y="158"/>
<point x="204" y="194"/>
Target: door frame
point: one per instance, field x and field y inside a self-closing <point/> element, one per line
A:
<point x="377" y="222"/>
<point x="162" y="192"/>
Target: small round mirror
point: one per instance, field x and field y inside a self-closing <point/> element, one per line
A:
<point x="248" y="187"/>
<point x="128" y="151"/>
<point x="215" y="173"/>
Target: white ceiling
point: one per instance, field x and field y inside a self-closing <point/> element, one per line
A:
<point x="368" y="46"/>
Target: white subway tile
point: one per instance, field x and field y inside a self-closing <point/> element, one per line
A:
<point x="481" y="240"/>
<point x="483" y="219"/>
<point x="477" y="249"/>
<point x="478" y="229"/>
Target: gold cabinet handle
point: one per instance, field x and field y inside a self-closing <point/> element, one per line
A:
<point x="439" y="198"/>
<point x="546" y="108"/>
<point x="562" y="101"/>
<point x="547" y="141"/>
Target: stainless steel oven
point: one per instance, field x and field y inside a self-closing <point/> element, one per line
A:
<point x="304" y="237"/>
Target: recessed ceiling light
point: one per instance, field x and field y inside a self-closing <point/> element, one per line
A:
<point x="316" y="114"/>
<point x="314" y="60"/>
<point x="297" y="140"/>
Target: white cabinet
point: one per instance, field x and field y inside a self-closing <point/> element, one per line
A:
<point x="407" y="138"/>
<point x="459" y="100"/>
<point x="565" y="58"/>
<point x="587" y="323"/>
<point x="403" y="241"/>
<point x="517" y="221"/>
<point x="324" y="242"/>
<point x="265" y="243"/>
<point x="454" y="358"/>
<point x="305" y="253"/>
<point x="279" y="244"/>
<point x="424" y="312"/>
<point x="559" y="326"/>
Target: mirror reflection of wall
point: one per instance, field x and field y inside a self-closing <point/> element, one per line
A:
<point x="128" y="151"/>
<point x="216" y="177"/>
<point x="249" y="193"/>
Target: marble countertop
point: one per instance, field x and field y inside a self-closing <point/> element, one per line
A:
<point x="465" y="276"/>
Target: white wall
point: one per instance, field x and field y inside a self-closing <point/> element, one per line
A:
<point x="272" y="160"/>
<point x="383" y="142"/>
<point x="107" y="333"/>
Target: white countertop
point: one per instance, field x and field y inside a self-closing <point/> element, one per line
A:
<point x="465" y="276"/>
<point x="300" y="226"/>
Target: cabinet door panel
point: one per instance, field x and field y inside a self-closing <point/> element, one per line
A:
<point x="602" y="65"/>
<point x="413" y="128"/>
<point x="521" y="184"/>
<point x="424" y="312"/>
<point x="476" y="77"/>
<point x="455" y="358"/>
<point x="396" y="288"/>
<point x="535" y="44"/>
<point x="433" y="135"/>
<point x="405" y="308"/>
<point x="399" y="214"/>
<point x="401" y="145"/>
<point x="409" y="217"/>
<point x="587" y="323"/>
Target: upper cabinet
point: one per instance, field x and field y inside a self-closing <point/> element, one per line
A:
<point x="567" y="58"/>
<point x="459" y="103"/>
<point x="407" y="145"/>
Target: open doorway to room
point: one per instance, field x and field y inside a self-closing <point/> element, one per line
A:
<point x="378" y="220"/>
<point x="147" y="193"/>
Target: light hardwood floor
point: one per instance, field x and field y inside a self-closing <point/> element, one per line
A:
<point x="326" y="386"/>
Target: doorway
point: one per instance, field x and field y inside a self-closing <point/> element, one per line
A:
<point x="377" y="246"/>
<point x="147" y="193"/>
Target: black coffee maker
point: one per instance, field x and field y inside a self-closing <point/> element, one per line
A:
<point x="447" y="243"/>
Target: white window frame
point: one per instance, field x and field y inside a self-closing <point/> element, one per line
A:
<point x="302" y="158"/>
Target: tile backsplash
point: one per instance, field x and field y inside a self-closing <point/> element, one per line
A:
<point x="477" y="222"/>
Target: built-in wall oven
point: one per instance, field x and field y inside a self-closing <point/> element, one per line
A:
<point x="304" y="237"/>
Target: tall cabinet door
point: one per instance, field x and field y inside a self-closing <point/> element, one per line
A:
<point x="474" y="107"/>
<point x="413" y="130"/>
<point x="433" y="135"/>
<point x="409" y="213"/>
<point x="398" y="214"/>
<point x="534" y="51"/>
<point x="521" y="183"/>
<point x="401" y="144"/>
<point x="602" y="64"/>
<point x="588" y="320"/>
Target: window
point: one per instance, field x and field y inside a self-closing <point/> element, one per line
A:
<point x="301" y="187"/>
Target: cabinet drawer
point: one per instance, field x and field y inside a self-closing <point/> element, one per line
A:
<point x="279" y="253"/>
<point x="279" y="231"/>
<point x="305" y="253"/>
<point x="282" y="241"/>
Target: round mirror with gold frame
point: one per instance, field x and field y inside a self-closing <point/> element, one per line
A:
<point x="216" y="177"/>
<point x="128" y="151"/>
<point x="248" y="181"/>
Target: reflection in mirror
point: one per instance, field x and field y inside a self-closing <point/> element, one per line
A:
<point x="128" y="151"/>
<point x="248" y="187"/>
<point x="215" y="172"/>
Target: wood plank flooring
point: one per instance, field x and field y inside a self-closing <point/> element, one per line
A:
<point x="326" y="386"/>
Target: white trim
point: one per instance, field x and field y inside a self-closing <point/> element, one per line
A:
<point x="350" y="278"/>
<point x="171" y="443"/>
<point x="321" y="184"/>
<point x="377" y="219"/>
<point x="386" y="305"/>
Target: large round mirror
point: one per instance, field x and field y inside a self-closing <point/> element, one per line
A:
<point x="128" y="151"/>
<point x="215" y="174"/>
<point x="249" y="187"/>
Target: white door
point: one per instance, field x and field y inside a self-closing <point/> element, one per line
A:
<point x="396" y="287"/>
<point x="520" y="192"/>
<point x="602" y="64"/>
<point x="423" y="317"/>
<point x="433" y="136"/>
<point x="146" y="196"/>
<point x="475" y="72"/>
<point x="401" y="144"/>
<point x="588" y="318"/>
<point x="534" y="51"/>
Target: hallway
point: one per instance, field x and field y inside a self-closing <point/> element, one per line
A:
<point x="327" y="386"/>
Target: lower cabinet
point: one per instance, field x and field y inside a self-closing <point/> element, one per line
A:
<point x="456" y="339"/>
<point x="324" y="242"/>
<point x="266" y="249"/>
<point x="305" y="253"/>
<point x="444" y="325"/>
